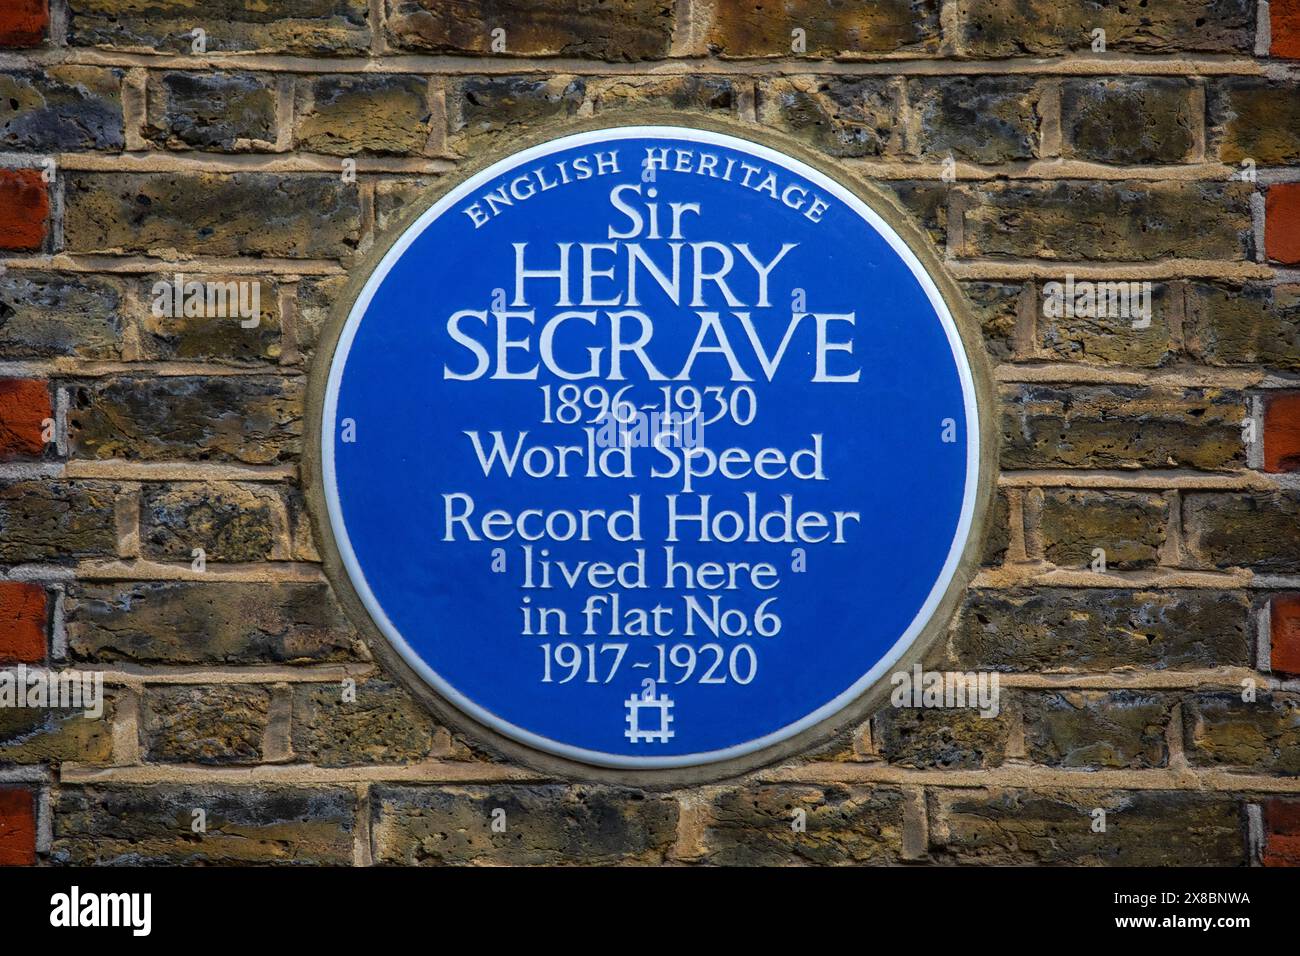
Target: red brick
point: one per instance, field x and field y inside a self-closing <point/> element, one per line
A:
<point x="17" y="828"/>
<point x="24" y="408"/>
<point x="1282" y="824"/>
<point x="1282" y="433"/>
<point x="1284" y="24"/>
<point x="22" y="622"/>
<point x="1284" y="618"/>
<point x="24" y="210"/>
<point x="23" y="22"/>
<point x="1282" y="223"/>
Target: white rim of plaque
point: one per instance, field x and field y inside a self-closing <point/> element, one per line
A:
<point x="599" y="758"/>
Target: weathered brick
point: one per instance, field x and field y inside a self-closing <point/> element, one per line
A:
<point x="1254" y="118"/>
<point x="1128" y="525"/>
<point x="1006" y="28"/>
<point x="615" y="30"/>
<point x="302" y="534"/>
<point x="752" y="826"/>
<point x="318" y="298"/>
<point x="156" y="622"/>
<point x="17" y="827"/>
<point x="24" y="210"/>
<point x="234" y="214"/>
<point x="1121" y="426"/>
<point x="838" y="115"/>
<point x="1262" y="735"/>
<point x="1095" y="629"/>
<point x="1259" y="530"/>
<point x="24" y="619"/>
<point x="257" y="421"/>
<point x="744" y="28"/>
<point x="1109" y="329"/>
<point x="24" y="410"/>
<point x="1282" y="432"/>
<point x="218" y="334"/>
<point x="1284" y="637"/>
<point x="1254" y="324"/>
<point x="940" y="738"/>
<point x="372" y="113"/>
<point x="996" y="307"/>
<point x="230" y="522"/>
<point x="696" y="92"/>
<point x="545" y="825"/>
<point x="1128" y="121"/>
<point x="1108" y="221"/>
<point x="152" y="825"/>
<point x="226" y="111"/>
<point x="24" y="23"/>
<point x="997" y="533"/>
<point x="485" y="110"/>
<point x="1282" y="832"/>
<point x="1145" y="828"/>
<point x="395" y="201"/>
<point x="61" y="108"/>
<point x="927" y="204"/>
<point x="1284" y="16"/>
<point x="319" y="27"/>
<point x="383" y="725"/>
<point x="1097" y="730"/>
<point x="43" y="315"/>
<point x="1282" y="223"/>
<point x="56" y="520"/>
<point x="983" y="119"/>
<point x="42" y="735"/>
<point x="204" y="725"/>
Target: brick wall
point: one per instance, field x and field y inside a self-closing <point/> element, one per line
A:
<point x="127" y="441"/>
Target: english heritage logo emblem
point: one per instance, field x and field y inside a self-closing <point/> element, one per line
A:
<point x="650" y="446"/>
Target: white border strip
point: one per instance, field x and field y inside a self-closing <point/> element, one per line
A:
<point x="600" y="136"/>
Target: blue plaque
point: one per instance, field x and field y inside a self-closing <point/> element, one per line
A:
<point x="650" y="446"/>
